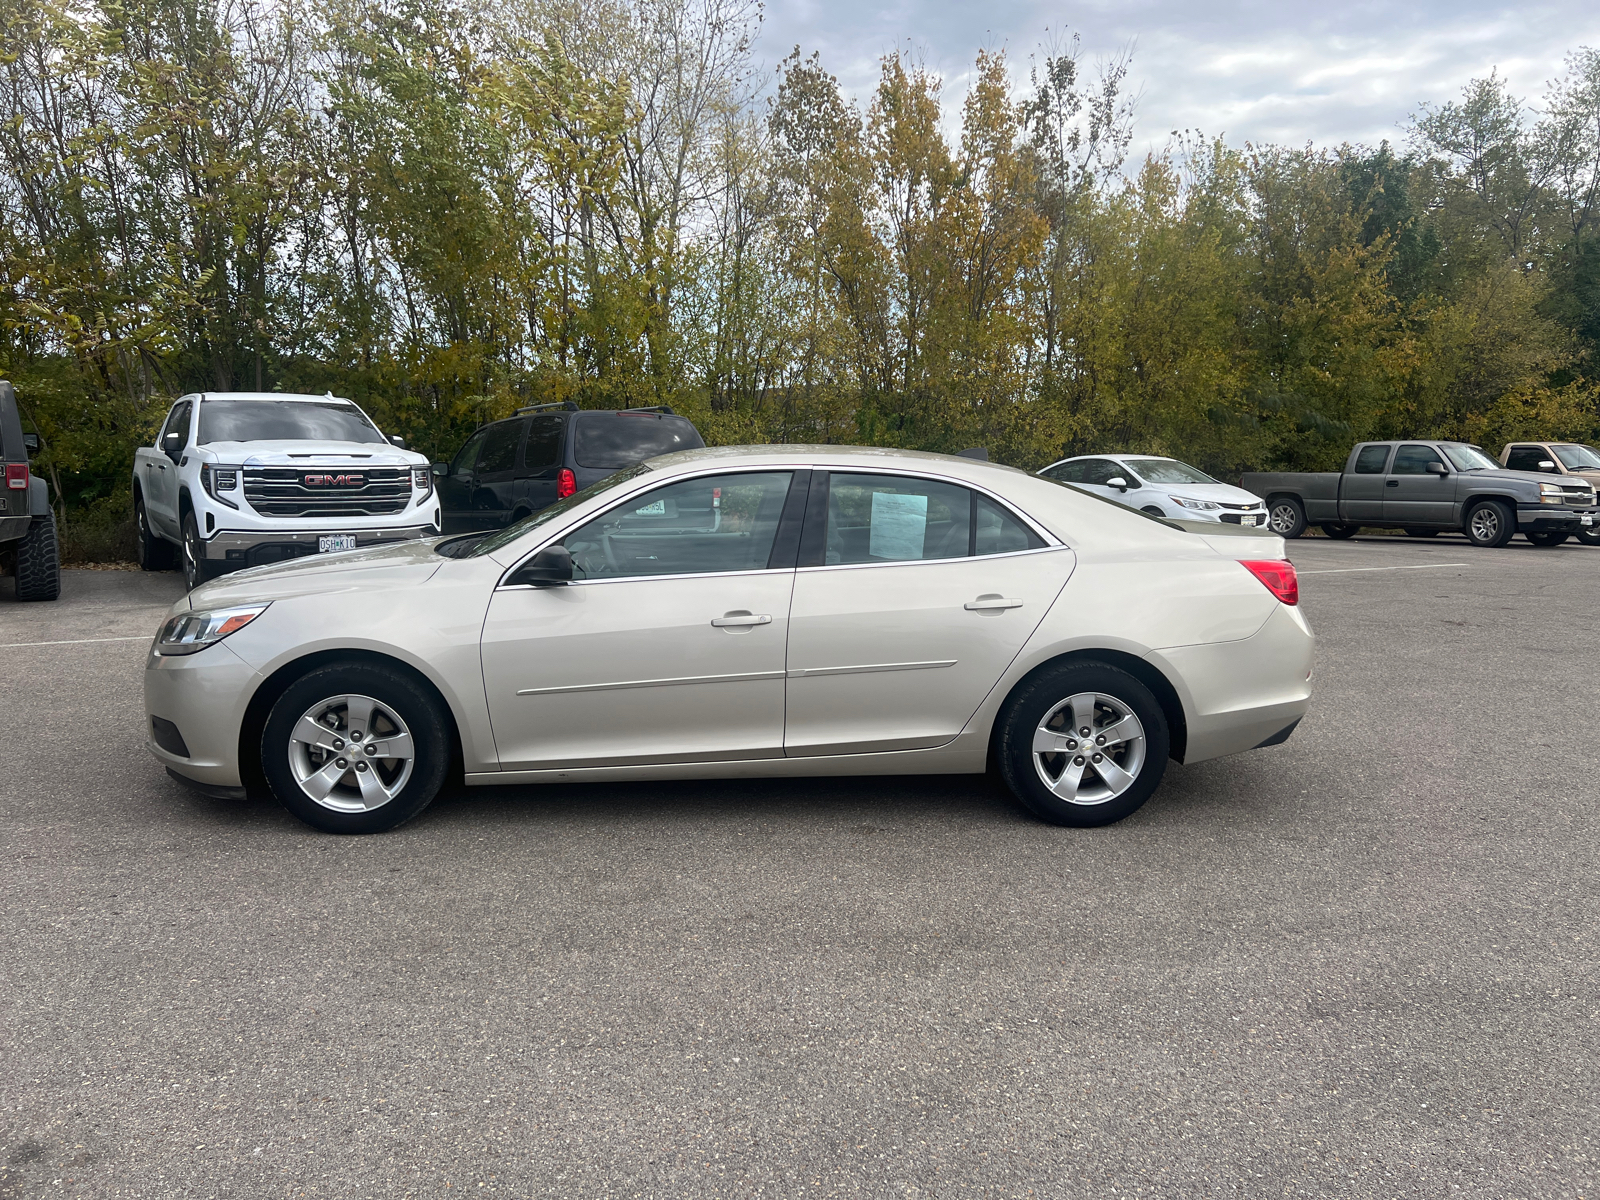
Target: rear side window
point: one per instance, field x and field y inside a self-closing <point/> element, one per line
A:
<point x="1371" y="459"/>
<point x="1413" y="460"/>
<point x="1526" y="458"/>
<point x="1067" y="472"/>
<point x="891" y="518"/>
<point x="611" y="441"/>
<point x="543" y="448"/>
<point x="500" y="447"/>
<point x="1101" y="471"/>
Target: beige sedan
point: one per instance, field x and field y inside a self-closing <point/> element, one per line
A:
<point x="743" y="612"/>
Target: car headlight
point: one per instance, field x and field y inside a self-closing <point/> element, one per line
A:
<point x="422" y="480"/>
<point x="1185" y="502"/>
<point x="219" y="479"/>
<point x="190" y="632"/>
<point x="1551" y="493"/>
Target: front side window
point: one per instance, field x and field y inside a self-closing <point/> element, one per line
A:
<point x="713" y="524"/>
<point x="1578" y="458"/>
<point x="1525" y="458"/>
<point x="1371" y="460"/>
<point x="1167" y="470"/>
<point x="1413" y="460"/>
<point x="285" y="421"/>
<point x="468" y="454"/>
<point x="610" y="441"/>
<point x="500" y="447"/>
<point x="489" y="543"/>
<point x="177" y="422"/>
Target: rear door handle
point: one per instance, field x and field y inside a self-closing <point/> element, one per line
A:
<point x="986" y="603"/>
<point x="1391" y="483"/>
<point x="737" y="619"/>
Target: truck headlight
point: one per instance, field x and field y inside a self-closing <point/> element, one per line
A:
<point x="219" y="479"/>
<point x="422" y="480"/>
<point x="1551" y="493"/>
<point x="1185" y="502"/>
<point x="191" y="632"/>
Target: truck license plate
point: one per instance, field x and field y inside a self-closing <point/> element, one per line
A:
<point x="1248" y="519"/>
<point x="327" y="543"/>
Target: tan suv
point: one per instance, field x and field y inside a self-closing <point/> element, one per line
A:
<point x="1558" y="458"/>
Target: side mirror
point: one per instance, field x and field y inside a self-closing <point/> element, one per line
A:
<point x="1117" y="481"/>
<point x="30" y="443"/>
<point x="396" y="440"/>
<point x="1437" y="468"/>
<point x="172" y="443"/>
<point x="550" y="567"/>
<point x="440" y="470"/>
<point x="1546" y="465"/>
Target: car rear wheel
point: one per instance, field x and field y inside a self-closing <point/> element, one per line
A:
<point x="1490" y="523"/>
<point x="1340" y="532"/>
<point x="1083" y="744"/>
<point x="356" y="748"/>
<point x="39" y="560"/>
<point x="1286" y="517"/>
<point x="155" y="553"/>
<point x="1546" y="539"/>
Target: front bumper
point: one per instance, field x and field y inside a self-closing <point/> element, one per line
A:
<point x="204" y="695"/>
<point x="1550" y="519"/>
<point x="254" y="548"/>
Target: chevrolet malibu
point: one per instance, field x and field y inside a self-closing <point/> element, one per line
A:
<point x="744" y="612"/>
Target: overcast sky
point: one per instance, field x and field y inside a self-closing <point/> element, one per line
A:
<point x="1288" y="73"/>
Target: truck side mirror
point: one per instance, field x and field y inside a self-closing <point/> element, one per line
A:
<point x="396" y="440"/>
<point x="440" y="470"/>
<point x="172" y="443"/>
<point x="1118" y="482"/>
<point x="1437" y="468"/>
<point x="550" y="567"/>
<point x="30" y="443"/>
<point x="1546" y="465"/>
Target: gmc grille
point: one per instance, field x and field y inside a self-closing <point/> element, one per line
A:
<point x="284" y="492"/>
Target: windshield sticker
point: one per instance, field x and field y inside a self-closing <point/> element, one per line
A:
<point x="899" y="526"/>
<point x="658" y="509"/>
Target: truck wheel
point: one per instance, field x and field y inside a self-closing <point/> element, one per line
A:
<point x="196" y="570"/>
<point x="356" y="748"/>
<point x="1083" y="744"/>
<point x="1490" y="523"/>
<point x="155" y="553"/>
<point x="1339" y="532"/>
<point x="39" y="560"/>
<point x="1285" y="517"/>
<point x="1422" y="533"/>
<point x="1546" y="539"/>
<point x="1589" y="536"/>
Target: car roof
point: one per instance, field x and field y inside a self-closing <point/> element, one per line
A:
<point x="861" y="457"/>
<point x="296" y="397"/>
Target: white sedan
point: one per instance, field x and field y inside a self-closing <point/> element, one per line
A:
<point x="743" y="612"/>
<point x="1162" y="487"/>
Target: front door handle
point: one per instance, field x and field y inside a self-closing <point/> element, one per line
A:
<point x="988" y="603"/>
<point x="739" y="620"/>
<point x="1391" y="483"/>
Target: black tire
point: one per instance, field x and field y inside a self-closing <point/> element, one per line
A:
<point x="196" y="569"/>
<point x="155" y="552"/>
<point x="1490" y="523"/>
<point x="422" y="716"/>
<point x="1153" y="510"/>
<point x="39" y="560"/>
<point x="1422" y="533"/>
<point x="1339" y="533"/>
<point x="1286" y="516"/>
<point x="1546" y="539"/>
<point x="1589" y="536"/>
<point x="1037" y="700"/>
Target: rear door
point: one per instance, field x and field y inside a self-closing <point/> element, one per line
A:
<point x="494" y="478"/>
<point x="918" y="595"/>
<point x="541" y="462"/>
<point x="1413" y="496"/>
<point x="1361" y="491"/>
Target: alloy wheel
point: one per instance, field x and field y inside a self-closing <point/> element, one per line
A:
<point x="1089" y="749"/>
<point x="1283" y="519"/>
<point x="1485" y="525"/>
<point x="351" y="753"/>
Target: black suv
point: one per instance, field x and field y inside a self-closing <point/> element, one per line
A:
<point x="511" y="469"/>
<point x="28" y="543"/>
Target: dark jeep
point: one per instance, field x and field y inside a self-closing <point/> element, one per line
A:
<point x="28" y="546"/>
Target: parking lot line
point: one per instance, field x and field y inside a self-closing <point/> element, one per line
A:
<point x="141" y="637"/>
<point x="1409" y="567"/>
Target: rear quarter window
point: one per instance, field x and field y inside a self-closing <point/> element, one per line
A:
<point x="611" y="441"/>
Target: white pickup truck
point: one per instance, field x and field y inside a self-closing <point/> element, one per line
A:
<point x="239" y="479"/>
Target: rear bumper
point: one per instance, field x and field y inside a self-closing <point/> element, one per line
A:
<point x="256" y="547"/>
<point x="12" y="528"/>
<point x="1542" y="519"/>
<point x="204" y="695"/>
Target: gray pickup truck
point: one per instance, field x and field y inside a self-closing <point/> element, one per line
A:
<point x="1424" y="487"/>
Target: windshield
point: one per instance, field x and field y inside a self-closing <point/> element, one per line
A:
<point x="1468" y="458"/>
<point x="1578" y="458"/>
<point x="1166" y="470"/>
<point x="504" y="537"/>
<point x="284" y="421"/>
<point x="608" y="441"/>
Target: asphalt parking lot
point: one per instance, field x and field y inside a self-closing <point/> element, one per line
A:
<point x="1362" y="963"/>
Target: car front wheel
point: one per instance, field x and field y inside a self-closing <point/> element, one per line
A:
<point x="356" y="748"/>
<point x="1285" y="517"/>
<point x="1490" y="523"/>
<point x="1590" y="536"/>
<point x="196" y="568"/>
<point x="1083" y="744"/>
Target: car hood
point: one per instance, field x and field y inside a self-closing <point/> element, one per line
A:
<point x="302" y="454"/>
<point x="399" y="564"/>
<point x="1221" y="493"/>
<point x="1519" y="476"/>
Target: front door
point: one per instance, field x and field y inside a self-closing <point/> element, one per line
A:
<point x="494" y="479"/>
<point x="924" y="593"/>
<point x="1413" y="496"/>
<point x="455" y="486"/>
<point x="668" y="646"/>
<point x="161" y="475"/>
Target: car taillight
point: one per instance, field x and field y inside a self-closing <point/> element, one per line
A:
<point x="17" y="476"/>
<point x="566" y="484"/>
<point x="1277" y="575"/>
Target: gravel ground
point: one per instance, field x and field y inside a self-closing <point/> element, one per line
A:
<point x="1362" y="963"/>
